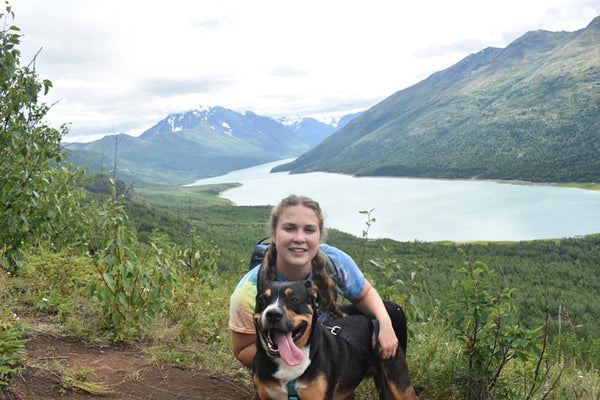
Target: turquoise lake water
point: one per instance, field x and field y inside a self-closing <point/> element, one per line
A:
<point x="409" y="209"/>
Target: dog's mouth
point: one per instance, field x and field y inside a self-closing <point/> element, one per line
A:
<point x="283" y="344"/>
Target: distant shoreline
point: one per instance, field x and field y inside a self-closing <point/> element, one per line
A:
<point x="586" y="186"/>
<point x="573" y="185"/>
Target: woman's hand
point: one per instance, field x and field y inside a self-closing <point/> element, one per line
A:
<point x="387" y="340"/>
<point x="370" y="303"/>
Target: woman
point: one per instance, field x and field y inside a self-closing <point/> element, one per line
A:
<point x="296" y="234"/>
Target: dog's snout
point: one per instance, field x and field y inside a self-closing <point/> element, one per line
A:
<point x="274" y="316"/>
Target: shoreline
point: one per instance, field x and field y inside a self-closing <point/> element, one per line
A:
<point x="573" y="185"/>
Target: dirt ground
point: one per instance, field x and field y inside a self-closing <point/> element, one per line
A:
<point x="120" y="372"/>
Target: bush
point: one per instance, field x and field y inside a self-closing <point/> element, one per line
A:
<point x="131" y="289"/>
<point x="504" y="361"/>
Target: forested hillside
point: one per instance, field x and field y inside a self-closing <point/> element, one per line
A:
<point x="530" y="111"/>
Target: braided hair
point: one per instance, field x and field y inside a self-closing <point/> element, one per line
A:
<point x="325" y="284"/>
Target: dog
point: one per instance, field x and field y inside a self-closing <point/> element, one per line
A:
<point x="296" y="352"/>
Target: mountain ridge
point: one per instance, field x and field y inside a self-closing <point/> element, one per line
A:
<point x="529" y="111"/>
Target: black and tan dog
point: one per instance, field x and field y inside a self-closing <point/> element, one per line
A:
<point x="320" y="361"/>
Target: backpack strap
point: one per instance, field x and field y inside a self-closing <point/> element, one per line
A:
<point x="332" y="272"/>
<point x="260" y="251"/>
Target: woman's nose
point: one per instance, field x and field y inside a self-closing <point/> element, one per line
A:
<point x="299" y="236"/>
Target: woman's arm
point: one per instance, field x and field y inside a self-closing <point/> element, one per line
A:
<point x="370" y="303"/>
<point x="244" y="347"/>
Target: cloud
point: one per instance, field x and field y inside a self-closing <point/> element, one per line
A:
<point x="125" y="64"/>
<point x="174" y="86"/>
<point x="212" y="24"/>
<point x="288" y="72"/>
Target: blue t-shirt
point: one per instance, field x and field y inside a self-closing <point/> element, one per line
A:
<point x="351" y="282"/>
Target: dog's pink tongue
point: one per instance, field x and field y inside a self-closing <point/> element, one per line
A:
<point x="289" y="352"/>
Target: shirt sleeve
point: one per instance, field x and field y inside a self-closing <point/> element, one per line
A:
<point x="242" y="304"/>
<point x="351" y="280"/>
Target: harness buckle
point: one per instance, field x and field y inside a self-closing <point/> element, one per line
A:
<point x="334" y="330"/>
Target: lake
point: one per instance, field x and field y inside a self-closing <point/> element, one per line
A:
<point x="408" y="209"/>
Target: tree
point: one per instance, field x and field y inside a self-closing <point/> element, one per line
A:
<point x="35" y="184"/>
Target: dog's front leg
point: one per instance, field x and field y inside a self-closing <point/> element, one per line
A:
<point x="313" y="390"/>
<point x="270" y="390"/>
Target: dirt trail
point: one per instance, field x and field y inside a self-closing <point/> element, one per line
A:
<point x="126" y="371"/>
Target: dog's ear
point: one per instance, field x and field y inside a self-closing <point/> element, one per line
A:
<point x="312" y="290"/>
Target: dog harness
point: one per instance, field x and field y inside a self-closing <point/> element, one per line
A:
<point x="338" y="331"/>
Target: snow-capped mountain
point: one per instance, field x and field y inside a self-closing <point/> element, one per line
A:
<point x="205" y="142"/>
<point x="247" y="125"/>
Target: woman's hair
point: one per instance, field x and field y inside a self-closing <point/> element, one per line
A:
<point x="325" y="284"/>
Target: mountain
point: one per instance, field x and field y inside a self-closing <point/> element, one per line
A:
<point x="530" y="111"/>
<point x="314" y="131"/>
<point x="187" y="146"/>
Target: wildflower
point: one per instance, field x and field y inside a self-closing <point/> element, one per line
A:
<point x="192" y="279"/>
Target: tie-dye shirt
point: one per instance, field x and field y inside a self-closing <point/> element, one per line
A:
<point x="351" y="282"/>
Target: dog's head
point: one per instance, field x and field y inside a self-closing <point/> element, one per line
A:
<point x="284" y="316"/>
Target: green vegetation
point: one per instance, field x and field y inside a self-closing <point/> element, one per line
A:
<point x="432" y="280"/>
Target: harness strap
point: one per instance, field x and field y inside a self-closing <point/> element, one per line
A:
<point x="338" y="331"/>
<point x="291" y="389"/>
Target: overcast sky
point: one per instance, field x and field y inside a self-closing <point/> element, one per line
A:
<point x="123" y="65"/>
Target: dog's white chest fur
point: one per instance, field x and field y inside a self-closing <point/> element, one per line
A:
<point x="287" y="373"/>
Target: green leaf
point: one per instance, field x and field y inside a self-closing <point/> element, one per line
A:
<point x="47" y="86"/>
<point x="108" y="280"/>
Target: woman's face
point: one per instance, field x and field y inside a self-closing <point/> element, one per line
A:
<point x="297" y="237"/>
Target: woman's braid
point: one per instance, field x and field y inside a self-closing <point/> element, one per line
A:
<point x="326" y="287"/>
<point x="270" y="264"/>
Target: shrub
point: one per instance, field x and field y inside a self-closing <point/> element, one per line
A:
<point x="480" y="318"/>
<point x="130" y="289"/>
<point x="12" y="348"/>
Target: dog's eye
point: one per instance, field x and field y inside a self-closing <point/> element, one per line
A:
<point x="295" y="299"/>
<point x="260" y="300"/>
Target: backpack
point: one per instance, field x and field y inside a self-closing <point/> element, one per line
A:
<point x="260" y="252"/>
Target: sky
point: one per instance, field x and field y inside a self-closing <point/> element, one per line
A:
<point x="123" y="65"/>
